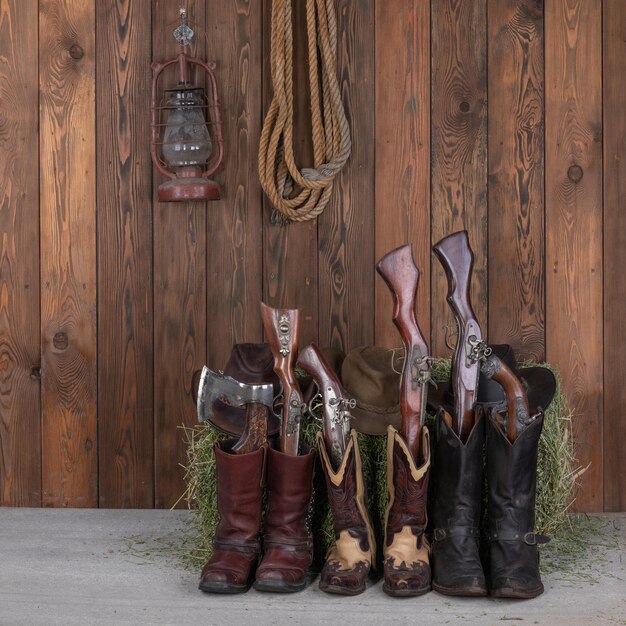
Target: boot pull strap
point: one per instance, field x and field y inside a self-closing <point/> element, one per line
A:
<point x="237" y="545"/>
<point x="530" y="539"/>
<point x="439" y="534"/>
<point x="288" y="543"/>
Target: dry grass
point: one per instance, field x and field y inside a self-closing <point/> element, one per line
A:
<point x="556" y="477"/>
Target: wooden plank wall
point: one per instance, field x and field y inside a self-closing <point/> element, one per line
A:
<point x="503" y="117"/>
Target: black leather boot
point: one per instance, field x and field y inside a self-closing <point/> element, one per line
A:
<point x="457" y="477"/>
<point x="512" y="479"/>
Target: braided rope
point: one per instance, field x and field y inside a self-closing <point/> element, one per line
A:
<point x="278" y="172"/>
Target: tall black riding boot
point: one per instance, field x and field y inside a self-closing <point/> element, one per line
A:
<point x="512" y="478"/>
<point x="457" y="477"/>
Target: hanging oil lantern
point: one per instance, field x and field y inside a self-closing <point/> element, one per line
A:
<point x="186" y="126"/>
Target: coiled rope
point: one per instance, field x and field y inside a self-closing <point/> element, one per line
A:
<point x="300" y="195"/>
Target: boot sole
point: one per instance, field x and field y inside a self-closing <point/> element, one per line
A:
<point x="405" y="593"/>
<point x="342" y="591"/>
<point x="509" y="592"/>
<point x="277" y="586"/>
<point x="472" y="592"/>
<point x="219" y="587"/>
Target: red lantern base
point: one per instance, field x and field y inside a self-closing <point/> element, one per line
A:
<point x="188" y="189"/>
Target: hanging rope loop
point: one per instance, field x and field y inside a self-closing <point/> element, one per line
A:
<point x="300" y="195"/>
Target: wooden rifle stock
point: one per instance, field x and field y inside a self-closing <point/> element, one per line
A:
<point x="518" y="411"/>
<point x="335" y="420"/>
<point x="397" y="268"/>
<point x="457" y="259"/>
<point x="282" y="329"/>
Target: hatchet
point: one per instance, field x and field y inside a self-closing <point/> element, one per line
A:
<point x="257" y="400"/>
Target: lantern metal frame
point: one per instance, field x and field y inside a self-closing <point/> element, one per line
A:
<point x="193" y="183"/>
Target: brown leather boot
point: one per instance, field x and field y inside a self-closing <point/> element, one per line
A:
<point x="236" y="541"/>
<point x="405" y="553"/>
<point x="352" y="553"/>
<point x="287" y="541"/>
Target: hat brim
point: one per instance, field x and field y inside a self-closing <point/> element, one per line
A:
<point x="371" y="420"/>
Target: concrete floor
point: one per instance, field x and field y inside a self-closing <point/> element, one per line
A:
<point x="88" y="567"/>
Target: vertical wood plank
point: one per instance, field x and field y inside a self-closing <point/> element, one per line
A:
<point x="20" y="430"/>
<point x="459" y="149"/>
<point x="516" y="203"/>
<point x="614" y="70"/>
<point x="234" y="231"/>
<point x="346" y="227"/>
<point x="290" y="253"/>
<point x="125" y="399"/>
<point x="574" y="224"/>
<point x="402" y="172"/>
<point x="68" y="257"/>
<point x="179" y="288"/>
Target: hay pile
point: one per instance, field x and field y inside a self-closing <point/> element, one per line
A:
<point x="556" y="477"/>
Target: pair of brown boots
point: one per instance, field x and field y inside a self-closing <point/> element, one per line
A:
<point x="405" y="550"/>
<point x="287" y="546"/>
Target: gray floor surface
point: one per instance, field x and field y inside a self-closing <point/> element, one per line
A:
<point x="71" y="567"/>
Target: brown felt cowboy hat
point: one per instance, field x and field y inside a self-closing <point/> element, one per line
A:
<point x="539" y="382"/>
<point x="250" y="363"/>
<point x="253" y="363"/>
<point x="371" y="375"/>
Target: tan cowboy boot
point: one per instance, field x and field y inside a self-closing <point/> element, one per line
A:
<point x="405" y="552"/>
<point x="353" y="551"/>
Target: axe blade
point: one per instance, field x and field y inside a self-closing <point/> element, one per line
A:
<point x="214" y="386"/>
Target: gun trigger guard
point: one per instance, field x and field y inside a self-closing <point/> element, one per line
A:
<point x="448" y="335"/>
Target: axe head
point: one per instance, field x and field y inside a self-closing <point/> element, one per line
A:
<point x="214" y="386"/>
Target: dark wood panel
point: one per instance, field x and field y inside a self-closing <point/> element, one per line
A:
<point x="179" y="287"/>
<point x="516" y="160"/>
<point x="402" y="172"/>
<point x="290" y="253"/>
<point x="574" y="224"/>
<point x="614" y="70"/>
<point x="234" y="231"/>
<point x="459" y="149"/>
<point x="125" y="310"/>
<point x="346" y="227"/>
<point x="20" y="431"/>
<point x="68" y="252"/>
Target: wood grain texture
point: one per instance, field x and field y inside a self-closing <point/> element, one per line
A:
<point x="459" y="149"/>
<point x="290" y="253"/>
<point x="68" y="252"/>
<point x="614" y="70"/>
<point x="179" y="287"/>
<point x="234" y="231"/>
<point x="516" y="190"/>
<point x="574" y="224"/>
<point x="402" y="153"/>
<point x="20" y="430"/>
<point x="125" y="363"/>
<point x="346" y="227"/>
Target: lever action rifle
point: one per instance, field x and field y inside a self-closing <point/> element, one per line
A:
<point x="335" y="415"/>
<point x="282" y="329"/>
<point x="518" y="411"/>
<point x="457" y="259"/>
<point x="397" y="268"/>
